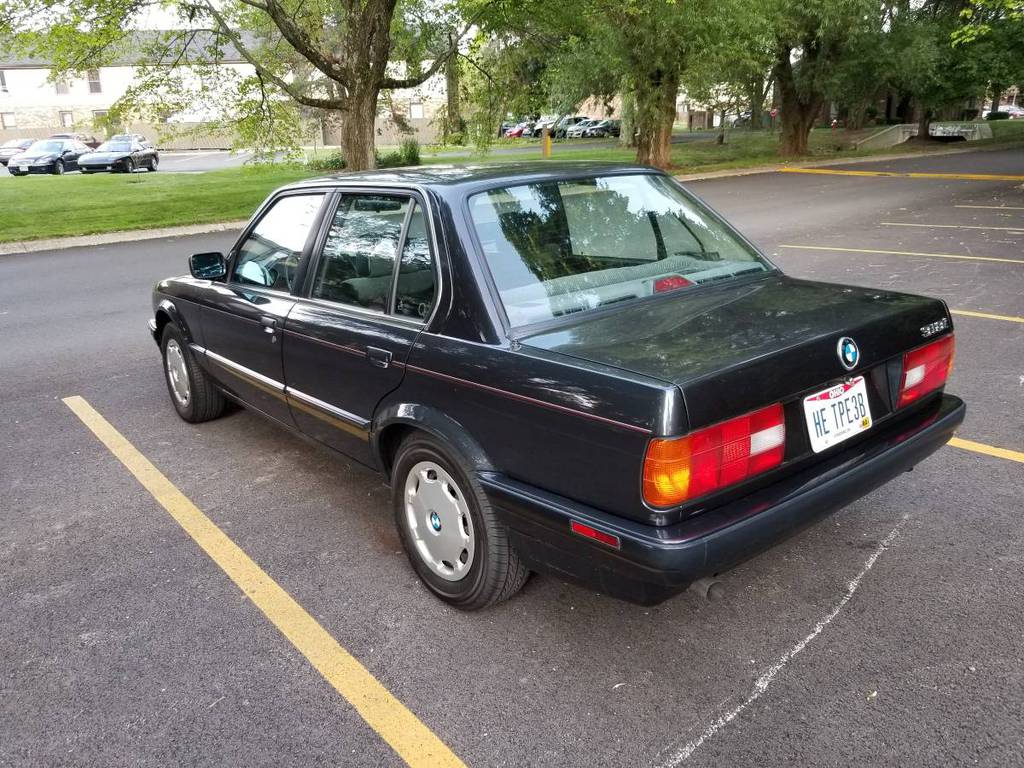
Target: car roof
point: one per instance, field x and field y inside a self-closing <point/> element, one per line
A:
<point x="497" y="174"/>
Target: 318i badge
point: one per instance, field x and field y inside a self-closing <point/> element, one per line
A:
<point x="837" y="414"/>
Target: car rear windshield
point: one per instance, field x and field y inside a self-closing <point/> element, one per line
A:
<point x="560" y="247"/>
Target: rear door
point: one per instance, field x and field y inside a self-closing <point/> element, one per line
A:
<point x="368" y="294"/>
<point x="243" y="318"/>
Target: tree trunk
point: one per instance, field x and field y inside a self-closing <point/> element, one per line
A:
<point x="720" y="139"/>
<point x="924" y="124"/>
<point x="454" y="124"/>
<point x="997" y="95"/>
<point x="655" y="115"/>
<point x="357" y="129"/>
<point x="797" y="110"/>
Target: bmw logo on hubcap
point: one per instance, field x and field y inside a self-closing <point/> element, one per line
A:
<point x="849" y="354"/>
<point x="435" y="521"/>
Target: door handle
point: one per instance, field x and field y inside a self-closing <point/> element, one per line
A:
<point x="378" y="357"/>
<point x="269" y="324"/>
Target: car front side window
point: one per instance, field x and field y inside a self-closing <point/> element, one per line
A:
<point x="358" y="260"/>
<point x="269" y="257"/>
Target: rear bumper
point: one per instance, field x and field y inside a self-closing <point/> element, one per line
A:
<point x="654" y="563"/>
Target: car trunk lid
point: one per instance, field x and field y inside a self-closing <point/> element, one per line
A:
<point x="732" y="348"/>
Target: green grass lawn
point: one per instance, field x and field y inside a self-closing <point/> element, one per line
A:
<point x="35" y="207"/>
<point x="743" y="149"/>
<point x="54" y="206"/>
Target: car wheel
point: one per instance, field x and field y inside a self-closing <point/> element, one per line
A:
<point x="153" y="164"/>
<point x="193" y="394"/>
<point x="453" y="539"/>
<point x="129" y="165"/>
<point x="58" y="168"/>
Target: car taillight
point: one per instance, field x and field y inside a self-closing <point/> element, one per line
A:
<point x="671" y="283"/>
<point x="683" y="468"/>
<point x="925" y="369"/>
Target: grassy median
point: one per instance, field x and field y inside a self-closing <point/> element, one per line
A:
<point x="34" y="207"/>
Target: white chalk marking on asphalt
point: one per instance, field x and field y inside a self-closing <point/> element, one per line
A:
<point x="769" y="675"/>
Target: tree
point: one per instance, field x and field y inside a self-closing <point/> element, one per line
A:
<point x="324" y="54"/>
<point x="811" y="38"/>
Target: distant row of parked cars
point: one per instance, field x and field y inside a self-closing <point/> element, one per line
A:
<point x="62" y="152"/>
<point x="568" y="127"/>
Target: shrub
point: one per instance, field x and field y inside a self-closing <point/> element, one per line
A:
<point x="998" y="116"/>
<point x="408" y="153"/>
<point x="334" y="161"/>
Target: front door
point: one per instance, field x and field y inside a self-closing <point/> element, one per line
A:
<point x="369" y="294"/>
<point x="243" y="318"/>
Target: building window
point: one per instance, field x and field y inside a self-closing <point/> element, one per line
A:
<point x="99" y="113"/>
<point x="416" y="110"/>
<point x="94" y="81"/>
<point x="67" y="119"/>
<point x="61" y="87"/>
<point x="7" y="120"/>
<point x="3" y="82"/>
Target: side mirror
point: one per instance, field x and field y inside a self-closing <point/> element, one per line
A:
<point x="208" y="266"/>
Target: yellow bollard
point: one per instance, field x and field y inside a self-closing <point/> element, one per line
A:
<point x="546" y="143"/>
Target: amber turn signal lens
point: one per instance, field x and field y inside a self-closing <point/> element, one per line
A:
<point x="683" y="468"/>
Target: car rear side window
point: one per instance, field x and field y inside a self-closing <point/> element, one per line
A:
<point x="416" y="289"/>
<point x="270" y="255"/>
<point x="358" y="261"/>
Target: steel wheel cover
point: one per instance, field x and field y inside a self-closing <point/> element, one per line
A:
<point x="177" y="373"/>
<point x="438" y="520"/>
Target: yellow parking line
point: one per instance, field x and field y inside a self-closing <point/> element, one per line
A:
<point x="994" y="207"/>
<point x="949" y="226"/>
<point x="901" y="253"/>
<point x="988" y="450"/>
<point x="987" y="316"/>
<point x="401" y="729"/>
<point x="907" y="175"/>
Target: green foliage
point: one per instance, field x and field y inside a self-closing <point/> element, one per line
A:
<point x="407" y="154"/>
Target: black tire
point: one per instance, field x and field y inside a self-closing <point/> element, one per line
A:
<point x="58" y="168"/>
<point x="496" y="572"/>
<point x="153" y="164"/>
<point x="129" y="165"/>
<point x="205" y="401"/>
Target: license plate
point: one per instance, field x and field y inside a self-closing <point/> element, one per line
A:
<point x="23" y="169"/>
<point x="837" y="413"/>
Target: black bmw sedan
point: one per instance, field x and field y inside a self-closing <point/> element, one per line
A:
<point x="573" y="369"/>
<point x="48" y="156"/>
<point x="125" y="154"/>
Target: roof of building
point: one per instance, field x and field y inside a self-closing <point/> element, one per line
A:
<point x="151" y="46"/>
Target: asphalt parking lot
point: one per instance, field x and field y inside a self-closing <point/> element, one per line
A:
<point x="184" y="161"/>
<point x="890" y="634"/>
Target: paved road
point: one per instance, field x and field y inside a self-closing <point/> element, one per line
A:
<point x="123" y="644"/>
<point x="186" y="161"/>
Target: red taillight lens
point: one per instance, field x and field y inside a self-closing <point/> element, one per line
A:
<point x="684" y="468"/>
<point x="670" y="283"/>
<point x="925" y="369"/>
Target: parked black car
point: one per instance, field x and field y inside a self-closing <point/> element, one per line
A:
<point x="121" y="153"/>
<point x="604" y="129"/>
<point x="562" y="368"/>
<point x="86" y="138"/>
<point x="47" y="156"/>
<point x="13" y="147"/>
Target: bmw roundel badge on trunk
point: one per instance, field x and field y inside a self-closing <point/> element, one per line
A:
<point x="849" y="354"/>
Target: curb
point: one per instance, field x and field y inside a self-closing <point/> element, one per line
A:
<point x="775" y="167"/>
<point x="108" y="238"/>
